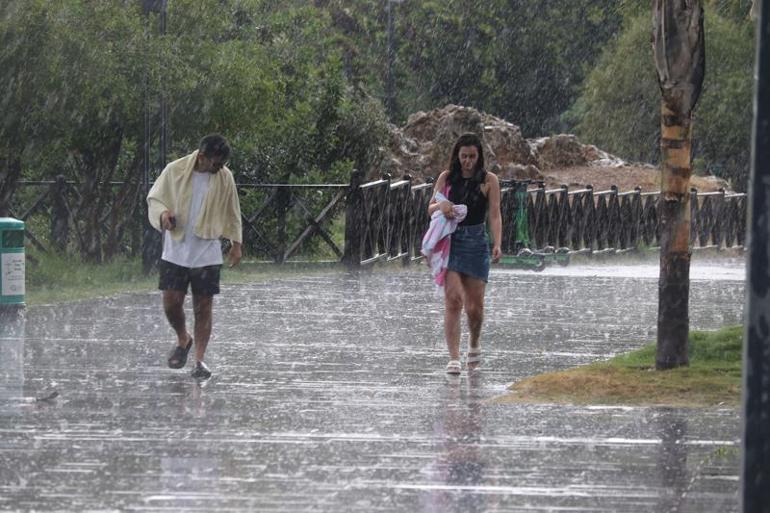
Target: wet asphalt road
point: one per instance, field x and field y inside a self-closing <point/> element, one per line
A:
<point x="329" y="395"/>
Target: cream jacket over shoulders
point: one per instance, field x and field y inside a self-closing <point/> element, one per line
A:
<point x="220" y="214"/>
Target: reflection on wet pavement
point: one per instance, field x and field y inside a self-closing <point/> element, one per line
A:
<point x="329" y="395"/>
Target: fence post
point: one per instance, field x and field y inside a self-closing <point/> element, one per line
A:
<point x="696" y="223"/>
<point x="538" y="230"/>
<point x="589" y="213"/>
<point x="352" y="252"/>
<point x="636" y="218"/>
<point x="407" y="245"/>
<point x="381" y="245"/>
<point x="59" y="215"/>
<point x="563" y="232"/>
<point x="282" y="201"/>
<point x="613" y="219"/>
<point x="720" y="220"/>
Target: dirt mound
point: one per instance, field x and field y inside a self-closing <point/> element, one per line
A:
<point x="625" y="177"/>
<point x="421" y="148"/>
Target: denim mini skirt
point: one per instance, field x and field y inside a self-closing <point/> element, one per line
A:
<point x="469" y="251"/>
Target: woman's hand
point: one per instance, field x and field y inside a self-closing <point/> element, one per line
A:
<point x="446" y="208"/>
<point x="496" y="253"/>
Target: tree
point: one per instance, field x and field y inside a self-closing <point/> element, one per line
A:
<point x="619" y="107"/>
<point x="23" y="89"/>
<point x="679" y="51"/>
<point x="523" y="61"/>
<point x="268" y="75"/>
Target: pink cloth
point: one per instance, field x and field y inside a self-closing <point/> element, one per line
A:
<point x="436" y="241"/>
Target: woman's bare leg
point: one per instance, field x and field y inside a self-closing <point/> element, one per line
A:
<point x="473" y="289"/>
<point x="453" y="306"/>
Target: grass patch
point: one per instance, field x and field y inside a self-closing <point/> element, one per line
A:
<point x="52" y="278"/>
<point x="712" y="379"/>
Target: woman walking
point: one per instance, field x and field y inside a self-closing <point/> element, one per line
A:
<point x="466" y="182"/>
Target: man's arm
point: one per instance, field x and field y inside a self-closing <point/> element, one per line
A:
<point x="233" y="230"/>
<point x="158" y="213"/>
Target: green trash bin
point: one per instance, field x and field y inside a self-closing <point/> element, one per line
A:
<point x="11" y="262"/>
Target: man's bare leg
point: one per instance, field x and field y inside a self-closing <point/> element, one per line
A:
<point x="202" y="306"/>
<point x="173" y="306"/>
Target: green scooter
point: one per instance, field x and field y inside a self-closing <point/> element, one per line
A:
<point x="526" y="258"/>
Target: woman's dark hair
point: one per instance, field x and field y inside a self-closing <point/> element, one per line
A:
<point x="214" y="145"/>
<point x="455" y="169"/>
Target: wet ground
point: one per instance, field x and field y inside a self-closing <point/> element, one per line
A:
<point x="329" y="395"/>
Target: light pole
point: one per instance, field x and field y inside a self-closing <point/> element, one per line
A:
<point x="755" y="472"/>
<point x="151" y="240"/>
<point x="161" y="8"/>
<point x="390" y="80"/>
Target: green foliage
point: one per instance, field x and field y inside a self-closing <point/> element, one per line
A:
<point x="267" y="75"/>
<point x="523" y="61"/>
<point x="297" y="86"/>
<point x="275" y="86"/>
<point x="75" y="74"/>
<point x="618" y="109"/>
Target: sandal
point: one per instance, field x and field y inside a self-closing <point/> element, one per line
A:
<point x="178" y="357"/>
<point x="453" y="367"/>
<point x="473" y="359"/>
<point x="200" y="371"/>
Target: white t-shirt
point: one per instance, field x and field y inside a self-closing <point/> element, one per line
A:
<point x="192" y="251"/>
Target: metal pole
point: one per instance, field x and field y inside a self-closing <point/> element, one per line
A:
<point x="146" y="80"/>
<point x="755" y="476"/>
<point x="389" y="80"/>
<point x="146" y="235"/>
<point x="163" y="105"/>
<point x="151" y="241"/>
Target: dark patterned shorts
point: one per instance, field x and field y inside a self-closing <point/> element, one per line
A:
<point x="204" y="280"/>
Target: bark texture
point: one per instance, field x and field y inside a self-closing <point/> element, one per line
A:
<point x="680" y="64"/>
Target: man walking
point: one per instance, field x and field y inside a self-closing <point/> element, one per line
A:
<point x="194" y="203"/>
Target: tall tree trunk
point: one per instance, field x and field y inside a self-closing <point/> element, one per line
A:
<point x="680" y="63"/>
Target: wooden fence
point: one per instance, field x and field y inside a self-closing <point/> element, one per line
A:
<point x="385" y="220"/>
<point x="361" y="223"/>
<point x="280" y="221"/>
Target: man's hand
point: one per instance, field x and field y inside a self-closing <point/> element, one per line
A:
<point x="235" y="254"/>
<point x="167" y="220"/>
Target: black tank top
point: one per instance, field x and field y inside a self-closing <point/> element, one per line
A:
<point x="467" y="191"/>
